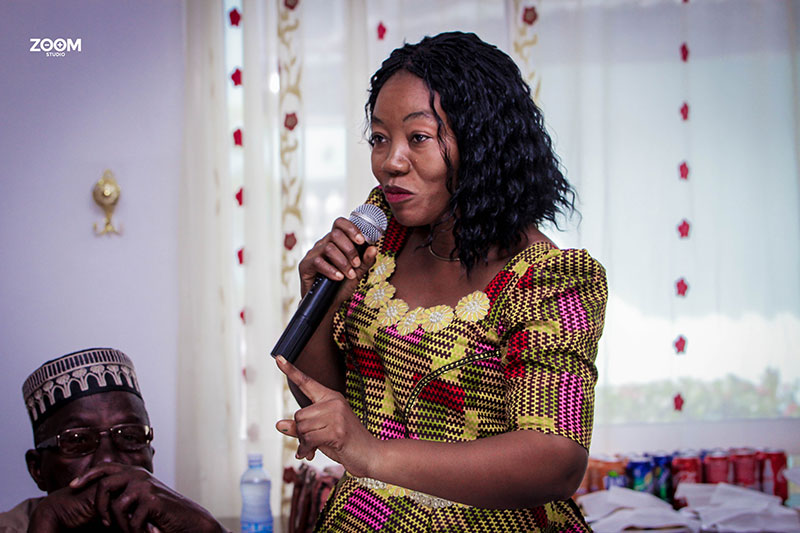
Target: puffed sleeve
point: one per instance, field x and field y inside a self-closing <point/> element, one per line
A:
<point x="550" y="324"/>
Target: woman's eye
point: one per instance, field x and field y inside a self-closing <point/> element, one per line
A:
<point x="419" y="138"/>
<point x="376" y="138"/>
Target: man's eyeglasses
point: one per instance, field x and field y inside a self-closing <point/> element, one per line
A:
<point x="83" y="441"/>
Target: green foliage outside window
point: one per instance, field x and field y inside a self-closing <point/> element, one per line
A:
<point x="731" y="397"/>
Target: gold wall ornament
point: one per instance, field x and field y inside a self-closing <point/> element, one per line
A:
<point x="106" y="194"/>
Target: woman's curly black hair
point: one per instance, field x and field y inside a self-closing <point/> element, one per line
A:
<point x="508" y="176"/>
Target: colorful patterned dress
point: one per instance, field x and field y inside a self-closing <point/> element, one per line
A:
<point x="518" y="355"/>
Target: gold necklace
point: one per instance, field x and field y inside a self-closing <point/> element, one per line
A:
<point x="441" y="257"/>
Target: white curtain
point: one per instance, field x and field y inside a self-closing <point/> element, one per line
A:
<point x="615" y="78"/>
<point x="611" y="79"/>
<point x="230" y="393"/>
<point x="209" y="443"/>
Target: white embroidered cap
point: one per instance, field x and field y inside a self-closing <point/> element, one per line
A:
<point x="75" y="375"/>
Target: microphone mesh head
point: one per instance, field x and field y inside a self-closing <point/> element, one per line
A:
<point x="370" y="220"/>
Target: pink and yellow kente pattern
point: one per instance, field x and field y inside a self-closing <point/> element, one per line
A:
<point x="516" y="356"/>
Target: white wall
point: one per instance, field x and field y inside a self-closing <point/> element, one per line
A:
<point x="118" y="105"/>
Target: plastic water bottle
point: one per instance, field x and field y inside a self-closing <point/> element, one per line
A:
<point x="255" y="485"/>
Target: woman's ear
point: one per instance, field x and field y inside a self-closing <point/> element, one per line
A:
<point x="34" y="460"/>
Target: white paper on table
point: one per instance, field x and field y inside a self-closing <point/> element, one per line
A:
<point x="711" y="515"/>
<point x="636" y="499"/>
<point x="619" y="508"/>
<point x="695" y="494"/>
<point x="733" y="496"/>
<point x="750" y="521"/>
<point x="601" y="503"/>
<point x="596" y="505"/>
<point x="737" y="509"/>
<point x="718" y="507"/>
<point x="651" y="518"/>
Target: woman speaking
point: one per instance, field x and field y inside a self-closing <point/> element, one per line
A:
<point x="453" y="377"/>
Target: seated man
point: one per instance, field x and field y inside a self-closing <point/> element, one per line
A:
<point x="93" y="455"/>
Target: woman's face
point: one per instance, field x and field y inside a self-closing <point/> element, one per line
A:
<point x="407" y="158"/>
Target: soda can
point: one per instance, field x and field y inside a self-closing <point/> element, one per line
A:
<point x="717" y="467"/>
<point x="662" y="475"/>
<point x="686" y="468"/>
<point x="745" y="468"/>
<point x="640" y="473"/>
<point x="772" y="464"/>
<point x="614" y="479"/>
<point x="602" y="467"/>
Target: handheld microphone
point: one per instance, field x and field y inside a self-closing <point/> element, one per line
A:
<point x="371" y="221"/>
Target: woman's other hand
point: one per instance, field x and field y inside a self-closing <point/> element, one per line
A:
<point x="328" y="424"/>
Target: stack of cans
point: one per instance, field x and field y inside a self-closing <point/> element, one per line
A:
<point x="661" y="472"/>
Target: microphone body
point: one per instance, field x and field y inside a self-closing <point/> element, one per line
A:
<point x="371" y="221"/>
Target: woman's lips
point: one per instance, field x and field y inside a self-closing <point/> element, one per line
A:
<point x="396" y="194"/>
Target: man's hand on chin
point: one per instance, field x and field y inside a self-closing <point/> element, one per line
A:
<point x="66" y="509"/>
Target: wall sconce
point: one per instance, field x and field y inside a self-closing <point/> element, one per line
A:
<point x="106" y="195"/>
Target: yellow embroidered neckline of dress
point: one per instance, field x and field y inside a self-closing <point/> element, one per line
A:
<point x="394" y="311"/>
